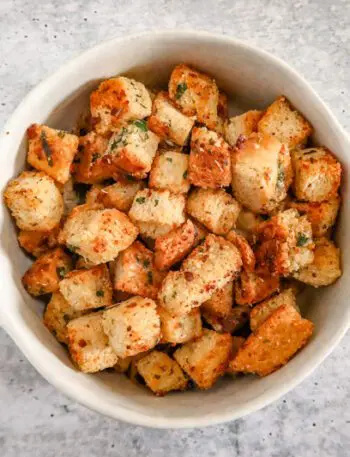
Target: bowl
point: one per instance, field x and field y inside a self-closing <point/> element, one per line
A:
<point x="253" y="78"/>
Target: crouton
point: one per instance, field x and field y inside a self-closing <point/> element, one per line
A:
<point x="232" y="322"/>
<point x="207" y="269"/>
<point x="220" y="303"/>
<point x="169" y="171"/>
<point x="46" y="272"/>
<point x="206" y="358"/>
<point x="214" y="208"/>
<point x="97" y="234"/>
<point x="263" y="310"/>
<point x="261" y="172"/>
<point x="285" y="123"/>
<point x="322" y="215"/>
<point x="174" y="246"/>
<point x="161" y="373"/>
<point x="325" y="268"/>
<point x="132" y="372"/>
<point x="317" y="174"/>
<point x="196" y="94"/>
<point x="252" y="287"/>
<point x="222" y="112"/>
<point x="87" y="288"/>
<point x="247" y="254"/>
<point x="122" y="366"/>
<point x="133" y="326"/>
<point x="34" y="201"/>
<point x="135" y="272"/>
<point x="51" y="151"/>
<point x="168" y="122"/>
<point x="88" y="344"/>
<point x="274" y="342"/>
<point x="180" y="329"/>
<point x="244" y="124"/>
<point x="118" y="100"/>
<point x="210" y="159"/>
<point x="247" y="223"/>
<point x="36" y="242"/>
<point x="72" y="196"/>
<point x="157" y="212"/>
<point x="200" y="232"/>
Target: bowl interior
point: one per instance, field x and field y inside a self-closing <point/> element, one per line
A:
<point x="252" y="79"/>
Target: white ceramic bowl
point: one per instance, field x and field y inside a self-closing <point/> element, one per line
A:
<point x="253" y="78"/>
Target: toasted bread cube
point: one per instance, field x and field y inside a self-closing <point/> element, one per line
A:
<point x="72" y="196"/>
<point x="135" y="272"/>
<point x="220" y="303"/>
<point x="169" y="171"/>
<point x="273" y="343"/>
<point x="51" y="151"/>
<point x="222" y="112"/>
<point x="168" y="122"/>
<point x="247" y="254"/>
<point x="285" y="123"/>
<point x="231" y="323"/>
<point x="118" y="100"/>
<point x="88" y="344"/>
<point x="244" y="124"/>
<point x="123" y="365"/>
<point x="180" y="329"/>
<point x="46" y="272"/>
<point x="119" y="195"/>
<point x="133" y="326"/>
<point x="325" y="268"/>
<point x="247" y="223"/>
<point x="161" y="373"/>
<point x="206" y="358"/>
<point x="263" y="310"/>
<point x="34" y="201"/>
<point x="132" y="372"/>
<point x="261" y="172"/>
<point x="207" y="269"/>
<point x="196" y="94"/>
<point x="201" y="232"/>
<point x="210" y="159"/>
<point x="157" y="212"/>
<point x="174" y="246"/>
<point x="214" y="208"/>
<point x="36" y="242"/>
<point x="252" y="287"/>
<point x="87" y="289"/>
<point x="317" y="174"/>
<point x="97" y="234"/>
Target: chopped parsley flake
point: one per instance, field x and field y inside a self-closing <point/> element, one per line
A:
<point x="95" y="156"/>
<point x="61" y="272"/>
<point x="46" y="148"/>
<point x="61" y="134"/>
<point x="100" y="293"/>
<point x="142" y="125"/>
<point x="180" y="90"/>
<point x="146" y="263"/>
<point x="302" y="239"/>
<point x="185" y="174"/>
<point x="140" y="200"/>
<point x="156" y="202"/>
<point x="169" y="159"/>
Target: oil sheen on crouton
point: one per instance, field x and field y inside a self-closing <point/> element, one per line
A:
<point x="180" y="329"/>
<point x="169" y="171"/>
<point x="244" y="124"/>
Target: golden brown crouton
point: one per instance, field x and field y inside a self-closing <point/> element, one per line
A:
<point x="161" y="373"/>
<point x="36" y="242"/>
<point x="222" y="113"/>
<point x="325" y="268"/>
<point x="285" y="123"/>
<point x="247" y="223"/>
<point x="206" y="358"/>
<point x="46" y="272"/>
<point x="274" y="342"/>
<point x="34" y="201"/>
<point x="214" y="208"/>
<point x="174" y="246"/>
<point x="237" y="318"/>
<point x="180" y="329"/>
<point x="88" y="344"/>
<point x="51" y="151"/>
<point x="244" y="124"/>
<point x="210" y="159"/>
<point x="169" y="171"/>
<point x="247" y="254"/>
<point x="317" y="174"/>
<point x="220" y="303"/>
<point x="252" y="287"/>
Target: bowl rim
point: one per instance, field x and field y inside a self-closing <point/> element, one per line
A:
<point x="12" y="324"/>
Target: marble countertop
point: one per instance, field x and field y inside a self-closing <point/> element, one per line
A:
<point x="313" y="36"/>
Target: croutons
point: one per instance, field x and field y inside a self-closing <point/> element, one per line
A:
<point x="87" y="289"/>
<point x="46" y="272"/>
<point x="169" y="171"/>
<point x="88" y="344"/>
<point x="222" y="113"/>
<point x="285" y="123"/>
<point x="168" y="122"/>
<point x="207" y="269"/>
<point x="261" y="172"/>
<point x="97" y="234"/>
<point x="180" y="329"/>
<point x="196" y="94"/>
<point x="237" y="318"/>
<point x="247" y="223"/>
<point x="161" y="373"/>
<point x="317" y="174"/>
<point x="274" y="342"/>
<point x="325" y="268"/>
<point x="133" y="326"/>
<point x="248" y="257"/>
<point x="174" y="246"/>
<point x="118" y="100"/>
<point x="157" y="212"/>
<point x="210" y="159"/>
<point x="244" y="124"/>
<point x="206" y="358"/>
<point x="252" y="287"/>
<point x="215" y="209"/>
<point x="88" y="166"/>
<point x="51" y="151"/>
<point x="34" y="201"/>
<point x="36" y="243"/>
<point x="220" y="303"/>
<point x="135" y="273"/>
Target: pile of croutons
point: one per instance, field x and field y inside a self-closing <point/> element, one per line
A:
<point x="173" y="240"/>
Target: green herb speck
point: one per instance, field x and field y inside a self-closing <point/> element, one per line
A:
<point x="142" y="125"/>
<point x="156" y="202"/>
<point x="185" y="174"/>
<point x="95" y="156"/>
<point x="140" y="200"/>
<point x="61" y="134"/>
<point x="61" y="272"/>
<point x="146" y="263"/>
<point x="46" y="148"/>
<point x="169" y="159"/>
<point x="302" y="239"/>
<point x="100" y="293"/>
<point x="180" y="90"/>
